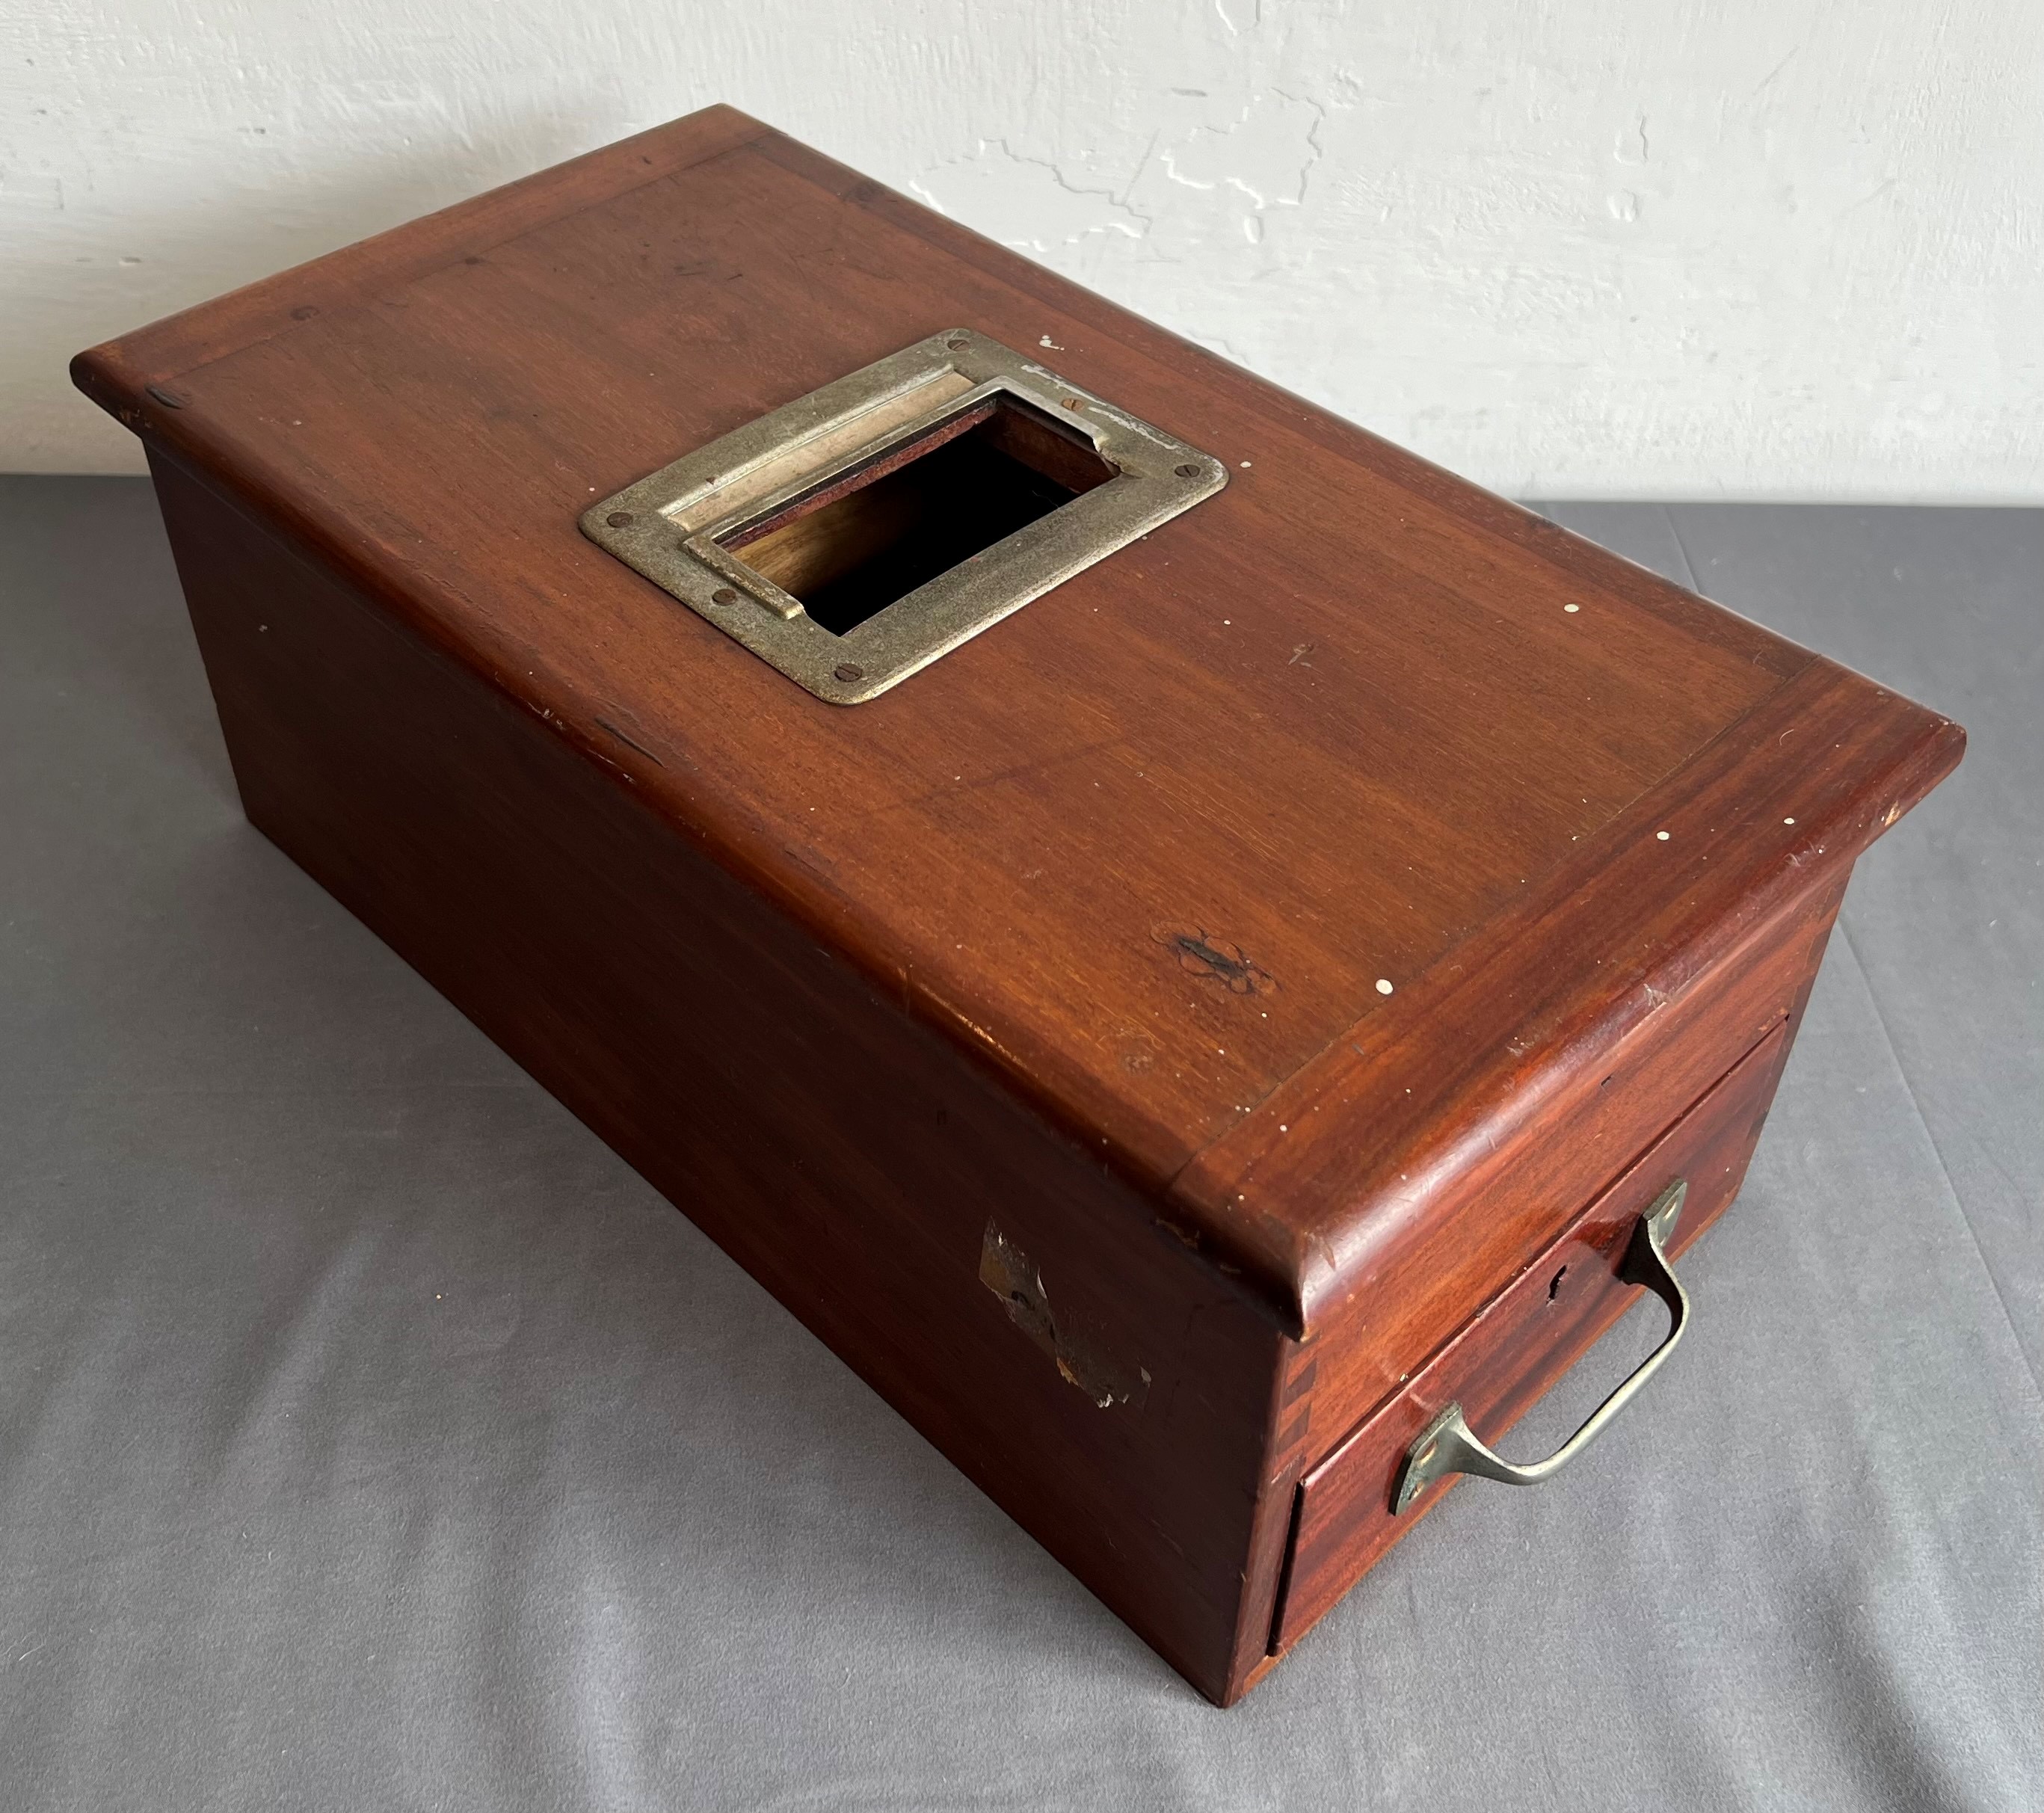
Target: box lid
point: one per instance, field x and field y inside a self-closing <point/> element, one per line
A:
<point x="1317" y="821"/>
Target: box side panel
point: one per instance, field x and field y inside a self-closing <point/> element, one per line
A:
<point x="1515" y="1349"/>
<point x="1015" y="1301"/>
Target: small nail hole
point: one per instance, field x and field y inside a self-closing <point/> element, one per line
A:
<point x="724" y="595"/>
<point x="619" y="518"/>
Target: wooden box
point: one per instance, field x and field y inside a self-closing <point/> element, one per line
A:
<point x="1174" y="1044"/>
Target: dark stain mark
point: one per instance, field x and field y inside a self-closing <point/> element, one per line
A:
<point x="165" y="396"/>
<point x="1004" y="1269"/>
<point x="1200" y="954"/>
<point x="629" y="744"/>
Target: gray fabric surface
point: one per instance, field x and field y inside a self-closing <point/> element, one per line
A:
<point x="370" y="1436"/>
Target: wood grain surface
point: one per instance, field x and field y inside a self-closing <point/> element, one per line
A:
<point x="1142" y="1039"/>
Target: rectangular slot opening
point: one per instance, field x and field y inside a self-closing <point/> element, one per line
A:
<point x="851" y="548"/>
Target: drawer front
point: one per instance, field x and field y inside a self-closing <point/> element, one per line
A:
<point x="1507" y="1356"/>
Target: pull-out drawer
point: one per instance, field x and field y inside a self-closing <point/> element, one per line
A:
<point x="1500" y="1362"/>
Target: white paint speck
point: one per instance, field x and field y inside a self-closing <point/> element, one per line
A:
<point x="1788" y="821"/>
<point x="1572" y="608"/>
<point x="1052" y="344"/>
<point x="1662" y="836"/>
<point x="1282" y="1127"/>
<point x="1245" y="465"/>
<point x="1384" y="984"/>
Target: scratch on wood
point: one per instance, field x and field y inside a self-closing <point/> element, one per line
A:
<point x="629" y="744"/>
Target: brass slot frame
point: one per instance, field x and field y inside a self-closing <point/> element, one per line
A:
<point x="678" y="526"/>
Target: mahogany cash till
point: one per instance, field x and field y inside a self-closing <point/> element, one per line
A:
<point x="1208" y="958"/>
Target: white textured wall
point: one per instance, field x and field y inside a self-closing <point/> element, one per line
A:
<point x="1774" y="248"/>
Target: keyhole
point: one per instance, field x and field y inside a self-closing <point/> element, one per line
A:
<point x="1554" y="1283"/>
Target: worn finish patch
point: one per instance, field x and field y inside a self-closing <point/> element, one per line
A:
<point x="1005" y="1270"/>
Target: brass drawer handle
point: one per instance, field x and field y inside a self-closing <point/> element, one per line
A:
<point x="1447" y="1444"/>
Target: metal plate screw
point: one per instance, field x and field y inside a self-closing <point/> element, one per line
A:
<point x="1187" y="471"/>
<point x="724" y="595"/>
<point x="849" y="670"/>
<point x="619" y="518"/>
